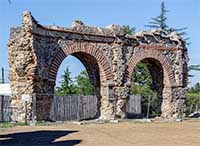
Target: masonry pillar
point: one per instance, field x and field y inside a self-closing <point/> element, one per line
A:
<point x="121" y="95"/>
<point x="120" y="90"/>
<point x="178" y="105"/>
<point x="173" y="104"/>
<point x="107" y="108"/>
<point x="22" y="61"/>
<point x="166" y="111"/>
<point x="44" y="91"/>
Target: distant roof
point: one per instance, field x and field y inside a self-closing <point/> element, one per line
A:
<point x="5" y="89"/>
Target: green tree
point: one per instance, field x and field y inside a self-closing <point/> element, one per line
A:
<point x="193" y="68"/>
<point x="193" y="99"/>
<point x="142" y="75"/>
<point x="192" y="102"/>
<point x="83" y="84"/>
<point x="195" y="88"/>
<point x="160" y="22"/>
<point x="141" y="84"/>
<point x="67" y="86"/>
<point x="128" y="30"/>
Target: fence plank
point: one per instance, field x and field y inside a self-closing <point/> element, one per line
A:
<point x="133" y="106"/>
<point x="76" y="107"/>
<point x="5" y="109"/>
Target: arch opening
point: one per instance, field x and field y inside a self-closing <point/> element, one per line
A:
<point x="147" y="84"/>
<point x="80" y="92"/>
<point x="99" y="72"/>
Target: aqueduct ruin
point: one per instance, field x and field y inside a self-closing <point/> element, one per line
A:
<point x="109" y="56"/>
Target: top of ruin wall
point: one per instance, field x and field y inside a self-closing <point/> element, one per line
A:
<point x="112" y="33"/>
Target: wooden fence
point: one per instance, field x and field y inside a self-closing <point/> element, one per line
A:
<point x="68" y="108"/>
<point x="5" y="109"/>
<point x="74" y="107"/>
<point x="133" y="106"/>
<point x="85" y="107"/>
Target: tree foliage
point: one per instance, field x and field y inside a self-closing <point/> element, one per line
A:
<point x="195" y="89"/>
<point x="83" y="84"/>
<point x="192" y="102"/>
<point x="128" y="30"/>
<point x="160" y="22"/>
<point x="142" y="75"/>
<point x="193" y="99"/>
<point x="67" y="86"/>
<point x="141" y="84"/>
<point x="193" y="68"/>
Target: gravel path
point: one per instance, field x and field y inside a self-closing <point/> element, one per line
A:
<point x="185" y="133"/>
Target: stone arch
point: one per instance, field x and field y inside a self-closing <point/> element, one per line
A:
<point x="169" y="79"/>
<point x="165" y="93"/>
<point x="90" y="49"/>
<point x="96" y="64"/>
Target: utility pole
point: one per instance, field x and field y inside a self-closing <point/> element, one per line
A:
<point x="2" y="75"/>
<point x="2" y="98"/>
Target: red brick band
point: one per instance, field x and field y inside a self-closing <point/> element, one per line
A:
<point x="154" y="54"/>
<point x="85" y="47"/>
<point x="157" y="47"/>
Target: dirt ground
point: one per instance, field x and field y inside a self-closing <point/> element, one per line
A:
<point x="186" y="133"/>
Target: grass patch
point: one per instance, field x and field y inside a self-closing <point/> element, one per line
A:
<point x="42" y="123"/>
<point x="192" y="102"/>
<point x="5" y="125"/>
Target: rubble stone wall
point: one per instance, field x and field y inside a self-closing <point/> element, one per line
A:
<point x="109" y="56"/>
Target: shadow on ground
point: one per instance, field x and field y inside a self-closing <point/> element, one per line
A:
<point x="37" y="138"/>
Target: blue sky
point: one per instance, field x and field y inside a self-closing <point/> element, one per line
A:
<point x="137" y="13"/>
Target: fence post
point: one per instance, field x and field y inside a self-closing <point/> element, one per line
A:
<point x="34" y="109"/>
<point x="196" y="109"/>
<point x="199" y="105"/>
<point x="148" y="108"/>
<point x="191" y="107"/>
<point x="26" y="112"/>
<point x="2" y="108"/>
<point x="78" y="112"/>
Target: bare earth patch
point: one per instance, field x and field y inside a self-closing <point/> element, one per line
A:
<point x="185" y="133"/>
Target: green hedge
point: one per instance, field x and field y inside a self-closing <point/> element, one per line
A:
<point x="192" y="102"/>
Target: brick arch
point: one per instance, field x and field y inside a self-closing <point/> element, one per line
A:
<point x="104" y="67"/>
<point x="169" y="79"/>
